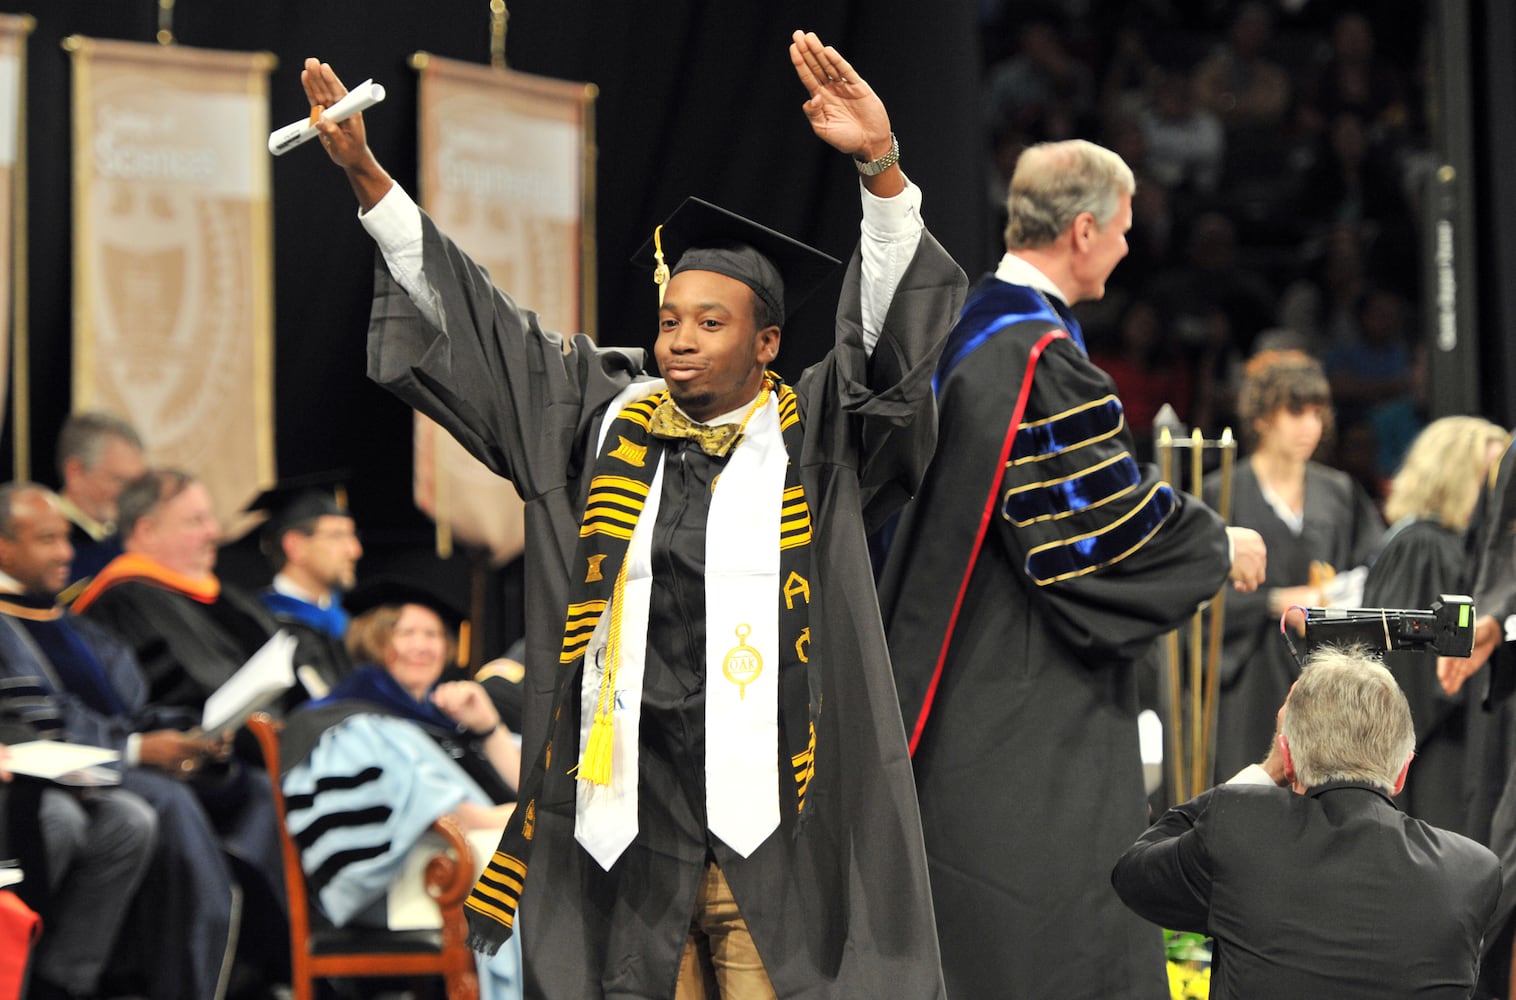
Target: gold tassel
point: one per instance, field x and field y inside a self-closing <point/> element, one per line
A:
<point x="595" y="760"/>
<point x="661" y="272"/>
<point x="595" y="765"/>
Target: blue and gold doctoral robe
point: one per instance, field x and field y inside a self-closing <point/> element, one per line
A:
<point x="1022" y="590"/>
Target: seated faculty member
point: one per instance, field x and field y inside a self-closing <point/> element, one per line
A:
<point x="312" y="544"/>
<point x="188" y="630"/>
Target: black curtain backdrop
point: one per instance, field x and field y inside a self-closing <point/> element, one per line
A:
<point x="695" y="98"/>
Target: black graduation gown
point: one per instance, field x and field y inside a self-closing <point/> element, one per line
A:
<point x="186" y="649"/>
<point x="1028" y="767"/>
<point x="841" y="910"/>
<point x="1491" y="546"/>
<point x="1342" y="528"/>
<point x="1492" y="538"/>
<point x="1420" y="561"/>
<point x="1495" y="544"/>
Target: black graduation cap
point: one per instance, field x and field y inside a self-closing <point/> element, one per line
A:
<point x="394" y="591"/>
<point x="298" y="500"/>
<point x="700" y="236"/>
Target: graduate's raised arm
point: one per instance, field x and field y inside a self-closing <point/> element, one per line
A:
<point x="844" y="111"/>
<point x="345" y="142"/>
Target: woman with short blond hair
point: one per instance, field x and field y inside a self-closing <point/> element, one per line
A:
<point x="1431" y="501"/>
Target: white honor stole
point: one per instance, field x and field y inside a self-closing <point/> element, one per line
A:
<point x="742" y="652"/>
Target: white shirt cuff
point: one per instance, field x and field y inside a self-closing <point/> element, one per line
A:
<point x="395" y="222"/>
<point x="894" y="218"/>
<point x="891" y="229"/>
<point x="395" y="225"/>
<point x="133" y="754"/>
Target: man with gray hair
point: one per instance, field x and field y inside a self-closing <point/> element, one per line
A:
<point x="190" y="630"/>
<point x="98" y="454"/>
<point x="1311" y="881"/>
<point x="1023" y="588"/>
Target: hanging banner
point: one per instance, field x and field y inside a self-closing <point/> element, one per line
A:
<point x="505" y="172"/>
<point x="14" y="30"/>
<point x="173" y="287"/>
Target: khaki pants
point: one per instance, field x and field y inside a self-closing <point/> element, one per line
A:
<point x="720" y="962"/>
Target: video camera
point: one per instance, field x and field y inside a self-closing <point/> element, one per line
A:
<point x="1447" y="628"/>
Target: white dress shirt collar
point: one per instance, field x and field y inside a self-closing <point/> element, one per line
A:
<point x="1017" y="271"/>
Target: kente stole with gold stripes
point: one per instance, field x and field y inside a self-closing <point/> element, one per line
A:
<point x="619" y="484"/>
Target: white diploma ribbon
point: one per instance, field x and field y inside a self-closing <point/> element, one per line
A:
<point x="297" y="133"/>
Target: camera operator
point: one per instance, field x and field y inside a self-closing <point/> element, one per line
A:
<point x="1310" y="880"/>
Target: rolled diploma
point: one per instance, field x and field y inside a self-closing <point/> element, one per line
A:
<point x="365" y="95"/>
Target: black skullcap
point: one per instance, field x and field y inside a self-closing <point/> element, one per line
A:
<point x="299" y="500"/>
<point x="390" y="591"/>
<point x="700" y="236"/>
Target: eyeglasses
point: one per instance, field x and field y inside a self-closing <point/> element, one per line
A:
<point x="336" y="535"/>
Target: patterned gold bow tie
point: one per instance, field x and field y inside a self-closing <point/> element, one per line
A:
<point x="670" y="422"/>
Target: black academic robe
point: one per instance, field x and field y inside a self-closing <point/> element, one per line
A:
<point x="316" y="649"/>
<point x="1495" y="546"/>
<point x="842" y="909"/>
<point x="1027" y="760"/>
<point x="1491" y="547"/>
<point x="204" y="827"/>
<point x="1492" y="541"/>
<point x="1420" y="561"/>
<point x="186" y="649"/>
<point x="1342" y="528"/>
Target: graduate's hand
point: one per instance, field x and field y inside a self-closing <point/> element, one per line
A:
<point x="1249" y="559"/>
<point x="1453" y="671"/>
<point x="5" y="755"/>
<point x="346" y="142"/>
<point x="843" y="109"/>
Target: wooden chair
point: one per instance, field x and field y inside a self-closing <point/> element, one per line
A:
<point x="336" y="953"/>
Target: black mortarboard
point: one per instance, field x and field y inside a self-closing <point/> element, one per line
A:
<point x="393" y="592"/>
<point x="299" y="500"/>
<point x="704" y="237"/>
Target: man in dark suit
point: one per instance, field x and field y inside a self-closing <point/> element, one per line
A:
<point x="1310" y="880"/>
